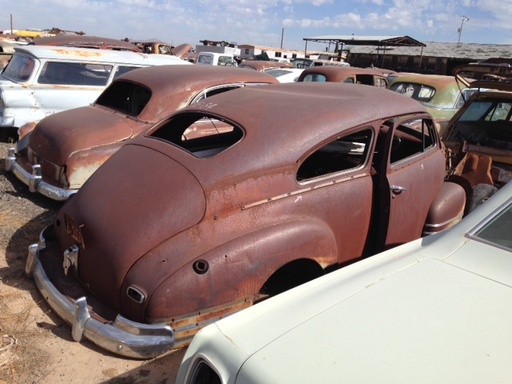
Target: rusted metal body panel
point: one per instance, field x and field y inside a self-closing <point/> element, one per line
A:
<point x="187" y="236"/>
<point x="339" y="74"/>
<point x="261" y="65"/>
<point x="84" y="41"/>
<point x="69" y="146"/>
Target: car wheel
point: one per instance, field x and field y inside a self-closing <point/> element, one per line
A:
<point x="480" y="193"/>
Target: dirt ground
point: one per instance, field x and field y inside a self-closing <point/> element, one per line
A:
<point x="36" y="346"/>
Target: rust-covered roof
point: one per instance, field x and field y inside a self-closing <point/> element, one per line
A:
<point x="182" y="82"/>
<point x="339" y="73"/>
<point x="282" y="120"/>
<point x="87" y="42"/>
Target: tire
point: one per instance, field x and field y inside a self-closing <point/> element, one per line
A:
<point x="480" y="193"/>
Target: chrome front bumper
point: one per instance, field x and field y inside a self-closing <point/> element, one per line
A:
<point x="122" y="336"/>
<point x="34" y="180"/>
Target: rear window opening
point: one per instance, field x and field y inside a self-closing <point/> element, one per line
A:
<point x="419" y="92"/>
<point x="125" y="97"/>
<point x="202" y="136"/>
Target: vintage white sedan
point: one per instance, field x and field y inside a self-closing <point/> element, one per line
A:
<point x="436" y="310"/>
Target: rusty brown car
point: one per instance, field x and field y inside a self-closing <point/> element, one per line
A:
<point x="171" y="234"/>
<point x="343" y="74"/>
<point x="65" y="148"/>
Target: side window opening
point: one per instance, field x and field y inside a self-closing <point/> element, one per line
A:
<point x="364" y="79"/>
<point x="202" y="136"/>
<point x="342" y="154"/>
<point x="64" y="73"/>
<point x="410" y="138"/>
<point x="213" y="91"/>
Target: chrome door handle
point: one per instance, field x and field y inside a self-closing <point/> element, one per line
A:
<point x="397" y="189"/>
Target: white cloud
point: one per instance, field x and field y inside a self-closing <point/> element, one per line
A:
<point x="260" y="21"/>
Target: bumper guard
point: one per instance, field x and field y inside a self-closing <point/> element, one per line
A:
<point x="34" y="180"/>
<point x="121" y="337"/>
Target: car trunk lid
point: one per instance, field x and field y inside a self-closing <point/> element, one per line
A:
<point x="116" y="220"/>
<point x="58" y="136"/>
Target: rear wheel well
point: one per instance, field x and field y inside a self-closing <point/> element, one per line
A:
<point x="291" y="275"/>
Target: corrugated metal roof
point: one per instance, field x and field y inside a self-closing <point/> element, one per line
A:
<point x="448" y="50"/>
<point x="367" y="40"/>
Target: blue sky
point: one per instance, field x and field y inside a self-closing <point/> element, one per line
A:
<point x="267" y="22"/>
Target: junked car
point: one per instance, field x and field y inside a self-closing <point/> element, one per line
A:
<point x="478" y="138"/>
<point x="436" y="310"/>
<point x="171" y="234"/>
<point x="42" y="80"/>
<point x="441" y="95"/>
<point x="65" y="148"/>
<point x="344" y="74"/>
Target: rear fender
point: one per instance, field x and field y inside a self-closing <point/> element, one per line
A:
<point x="446" y="209"/>
<point x="239" y="269"/>
<point x="81" y="165"/>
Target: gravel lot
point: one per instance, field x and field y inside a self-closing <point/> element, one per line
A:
<point x="35" y="345"/>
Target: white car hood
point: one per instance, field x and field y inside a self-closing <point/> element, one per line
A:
<point x="415" y="326"/>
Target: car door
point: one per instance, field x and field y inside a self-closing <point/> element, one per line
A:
<point x="414" y="173"/>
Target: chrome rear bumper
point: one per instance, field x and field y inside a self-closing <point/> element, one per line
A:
<point x="34" y="180"/>
<point x="122" y="336"/>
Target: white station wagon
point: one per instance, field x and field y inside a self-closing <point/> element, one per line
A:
<point x="436" y="310"/>
<point x="42" y="80"/>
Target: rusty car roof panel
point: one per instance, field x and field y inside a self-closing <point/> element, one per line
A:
<point x="290" y="120"/>
<point x="82" y="41"/>
<point x="187" y="77"/>
<point x="335" y="73"/>
<point x="261" y="65"/>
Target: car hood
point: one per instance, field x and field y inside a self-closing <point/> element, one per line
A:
<point x="58" y="136"/>
<point x="485" y="75"/>
<point x="426" y="313"/>
<point x="415" y="326"/>
<point x="135" y="201"/>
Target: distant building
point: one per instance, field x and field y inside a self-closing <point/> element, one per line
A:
<point x="248" y="51"/>
<point x="434" y="57"/>
<point x="403" y="53"/>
